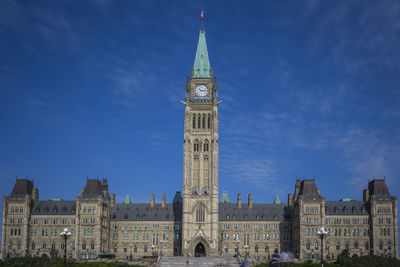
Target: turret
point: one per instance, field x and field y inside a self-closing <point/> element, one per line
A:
<point x="152" y="200"/>
<point x="239" y="201"/>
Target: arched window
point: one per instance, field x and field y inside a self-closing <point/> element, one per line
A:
<point x="53" y="246"/>
<point x="337" y="246"/>
<point x="256" y="249"/>
<point x="327" y="246"/>
<point x="208" y="121"/>
<point x="200" y="214"/>
<point x="308" y="244"/>
<point x="92" y="245"/>
<point x="33" y="246"/>
<point x="145" y="249"/>
<point x="196" y="145"/>
<point x="194" y="121"/>
<point x="266" y="249"/>
<point x="389" y="245"/>
<point x="206" y="145"/>
<point x="308" y="231"/>
<point x="84" y="245"/>
<point x="135" y="249"/>
<point x="44" y="245"/>
<point x="199" y="121"/>
<point x="380" y="245"/>
<point x="316" y="245"/>
<point x="204" y="121"/>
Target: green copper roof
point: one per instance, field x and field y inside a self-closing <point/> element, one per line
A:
<point x="225" y="198"/>
<point x="201" y="67"/>
<point x="277" y="200"/>
<point x="345" y="199"/>
<point x="127" y="200"/>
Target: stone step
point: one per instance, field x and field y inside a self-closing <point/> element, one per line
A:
<point x="202" y="261"/>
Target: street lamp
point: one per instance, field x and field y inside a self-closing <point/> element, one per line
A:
<point x="245" y="252"/>
<point x="65" y="235"/>
<point x="130" y="257"/>
<point x="161" y="250"/>
<point x="238" y="246"/>
<point x="152" y="250"/>
<point x="322" y="233"/>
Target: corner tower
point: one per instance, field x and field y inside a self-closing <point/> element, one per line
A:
<point x="200" y="159"/>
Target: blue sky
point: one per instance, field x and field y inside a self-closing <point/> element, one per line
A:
<point x="93" y="88"/>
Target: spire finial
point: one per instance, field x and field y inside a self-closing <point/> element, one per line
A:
<point x="202" y="20"/>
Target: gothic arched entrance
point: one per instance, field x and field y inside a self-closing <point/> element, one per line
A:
<point x="200" y="250"/>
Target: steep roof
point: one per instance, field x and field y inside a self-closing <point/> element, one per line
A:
<point x="345" y="208"/>
<point x="201" y="66"/>
<point x="54" y="207"/>
<point x="259" y="212"/>
<point x="308" y="189"/>
<point x="22" y="188"/>
<point x="377" y="187"/>
<point x="93" y="188"/>
<point x="144" y="212"/>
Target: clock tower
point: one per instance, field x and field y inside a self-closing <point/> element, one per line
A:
<point x="200" y="158"/>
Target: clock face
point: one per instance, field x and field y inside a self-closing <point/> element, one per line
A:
<point x="201" y="90"/>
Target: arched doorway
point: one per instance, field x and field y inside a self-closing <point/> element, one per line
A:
<point x="200" y="250"/>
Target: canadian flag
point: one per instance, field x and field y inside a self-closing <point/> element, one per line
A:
<point x="202" y="14"/>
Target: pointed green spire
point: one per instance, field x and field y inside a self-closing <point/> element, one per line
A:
<point x="277" y="200"/>
<point x="127" y="200"/>
<point x="201" y="67"/>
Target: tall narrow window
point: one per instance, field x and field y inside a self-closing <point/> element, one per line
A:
<point x="204" y="121"/>
<point x="92" y="245"/>
<point x="194" y="121"/>
<point x="206" y="145"/>
<point x="199" y="121"/>
<point x="200" y="214"/>
<point x="208" y="121"/>
<point x="196" y="145"/>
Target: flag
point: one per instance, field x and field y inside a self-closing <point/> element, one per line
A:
<point x="202" y="14"/>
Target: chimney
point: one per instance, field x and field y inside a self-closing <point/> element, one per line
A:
<point x="163" y="200"/>
<point x="83" y="190"/>
<point x="250" y="201"/>
<point x="35" y="194"/>
<point x="112" y="200"/>
<point x="366" y="195"/>
<point x="289" y="199"/>
<point x="319" y="193"/>
<point x="239" y="201"/>
<point x="152" y="200"/>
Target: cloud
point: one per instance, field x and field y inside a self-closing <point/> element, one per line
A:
<point x="368" y="154"/>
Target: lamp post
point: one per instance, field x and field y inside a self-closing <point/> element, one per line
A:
<point x="238" y="246"/>
<point x="322" y="233"/>
<point x="65" y="235"/>
<point x="152" y="250"/>
<point x="130" y="257"/>
<point x="161" y="250"/>
<point x="245" y="252"/>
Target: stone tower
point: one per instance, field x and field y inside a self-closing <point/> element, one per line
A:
<point x="200" y="166"/>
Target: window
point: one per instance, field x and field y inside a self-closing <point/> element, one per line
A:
<point x="200" y="214"/>
<point x="194" y="121"/>
<point x="206" y="145"/>
<point x="337" y="246"/>
<point x="256" y="249"/>
<point x="196" y="145"/>
<point x="204" y="121"/>
<point x="208" y="121"/>
<point x="356" y="245"/>
<point x="84" y="245"/>
<point x="366" y="246"/>
<point x="92" y="245"/>
<point x="145" y="249"/>
<point x="308" y="245"/>
<point x="380" y="245"/>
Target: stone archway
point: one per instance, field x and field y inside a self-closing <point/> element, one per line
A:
<point x="200" y="250"/>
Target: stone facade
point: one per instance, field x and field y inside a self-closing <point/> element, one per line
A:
<point x="196" y="223"/>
